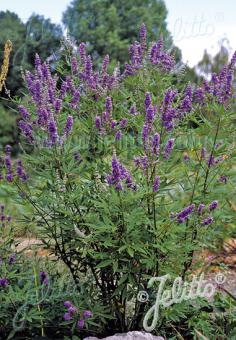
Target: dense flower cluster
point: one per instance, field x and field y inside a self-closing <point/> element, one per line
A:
<point x="73" y="314"/>
<point x="140" y="55"/>
<point x="219" y="87"/>
<point x="158" y="56"/>
<point x="98" y="82"/>
<point x="48" y="105"/>
<point x="183" y="216"/>
<point x="119" y="176"/>
<point x="105" y="123"/>
<point x="175" y="106"/>
<point x="185" y="213"/>
<point x="11" y="170"/>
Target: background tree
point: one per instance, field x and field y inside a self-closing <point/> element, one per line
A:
<point x="213" y="64"/>
<point x="12" y="28"/>
<point x="43" y="37"/>
<point x="111" y="25"/>
<point x="37" y="35"/>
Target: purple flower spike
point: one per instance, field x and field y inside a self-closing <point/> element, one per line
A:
<point x="213" y="205"/>
<point x="232" y="61"/>
<point x="8" y="163"/>
<point x="156" y="52"/>
<point x="129" y="70"/>
<point x="186" y="105"/>
<point x="57" y="105"/>
<point x="109" y="104"/>
<point x="12" y="259"/>
<point x="67" y="317"/>
<point x="145" y="134"/>
<point x="105" y="64"/>
<point x="27" y="130"/>
<point x="98" y="122"/>
<point x="74" y="65"/>
<point x="77" y="156"/>
<point x="82" y="53"/>
<point x="72" y="310"/>
<point x="87" y="314"/>
<point x="8" y="149"/>
<point x="223" y="179"/>
<point x="88" y="67"/>
<point x="119" y="174"/>
<point x="207" y="221"/>
<point x="68" y="304"/>
<point x="9" y="177"/>
<point x="169" y="112"/>
<point x="143" y="37"/>
<point x="156" y="184"/>
<point x="80" y="324"/>
<point x="135" y="51"/>
<point x="199" y="95"/>
<point x="113" y="124"/>
<point x="23" y="112"/>
<point x="69" y="125"/>
<point x="189" y="91"/>
<point x="52" y="131"/>
<point x="20" y="171"/>
<point x="4" y="282"/>
<point x="184" y="214"/>
<point x="133" y="110"/>
<point x="200" y="208"/>
<point x="123" y="123"/>
<point x="118" y="135"/>
<point x="119" y="186"/>
<point x="37" y="61"/>
<point x="168" y="148"/>
<point x="150" y="114"/>
<point x="156" y="144"/>
<point x="148" y="100"/>
<point x="76" y="98"/>
<point x="186" y="157"/>
<point x="211" y="161"/>
<point x="43" y="277"/>
<point x="170" y="95"/>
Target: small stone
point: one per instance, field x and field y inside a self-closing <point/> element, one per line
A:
<point x="135" y="335"/>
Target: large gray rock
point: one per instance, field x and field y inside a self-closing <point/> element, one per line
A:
<point x="129" y="336"/>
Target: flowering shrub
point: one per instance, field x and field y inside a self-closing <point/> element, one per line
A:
<point x="123" y="188"/>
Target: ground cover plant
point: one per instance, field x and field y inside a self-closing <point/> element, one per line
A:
<point x="129" y="172"/>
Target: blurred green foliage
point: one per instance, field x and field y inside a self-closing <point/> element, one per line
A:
<point x="37" y="35"/>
